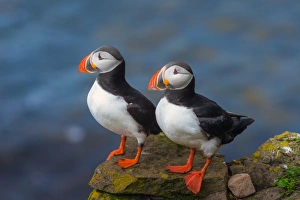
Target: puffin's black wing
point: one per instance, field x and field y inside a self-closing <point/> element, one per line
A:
<point x="212" y="118"/>
<point x="215" y="125"/>
<point x="143" y="111"/>
<point x="217" y="122"/>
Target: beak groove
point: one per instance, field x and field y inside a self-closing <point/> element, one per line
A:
<point x="157" y="81"/>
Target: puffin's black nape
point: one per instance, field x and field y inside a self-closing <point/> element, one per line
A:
<point x="181" y="64"/>
<point x="112" y="51"/>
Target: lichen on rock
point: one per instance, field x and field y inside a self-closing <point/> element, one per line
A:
<point x="150" y="178"/>
<point x="267" y="162"/>
<point x="280" y="149"/>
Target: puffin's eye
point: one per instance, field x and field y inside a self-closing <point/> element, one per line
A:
<point x="175" y="72"/>
<point x="99" y="57"/>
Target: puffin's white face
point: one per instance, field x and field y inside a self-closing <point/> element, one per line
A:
<point x="176" y="77"/>
<point x="104" y="61"/>
<point x="172" y="76"/>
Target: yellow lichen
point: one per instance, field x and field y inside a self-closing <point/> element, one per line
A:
<point x="275" y="169"/>
<point x="161" y="134"/>
<point x="256" y="154"/>
<point x="163" y="175"/>
<point x="284" y="144"/>
<point x="121" y="182"/>
<point x="278" y="154"/>
<point x="94" y="195"/>
<point x="286" y="134"/>
<point x="95" y="178"/>
<point x="269" y="146"/>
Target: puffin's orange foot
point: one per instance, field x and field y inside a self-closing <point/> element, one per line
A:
<point x="185" y="168"/>
<point x="193" y="181"/>
<point x="179" y="169"/>
<point x="120" y="150"/>
<point x="115" y="153"/>
<point x="125" y="163"/>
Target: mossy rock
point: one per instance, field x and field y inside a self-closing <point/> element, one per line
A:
<point x="283" y="148"/>
<point x="261" y="174"/>
<point x="267" y="162"/>
<point x="150" y="178"/>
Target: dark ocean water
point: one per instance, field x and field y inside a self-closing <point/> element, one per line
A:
<point x="245" y="56"/>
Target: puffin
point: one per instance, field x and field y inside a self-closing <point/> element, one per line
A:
<point x="192" y="120"/>
<point x="116" y="105"/>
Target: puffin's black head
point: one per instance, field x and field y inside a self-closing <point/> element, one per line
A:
<point x="103" y="59"/>
<point x="175" y="75"/>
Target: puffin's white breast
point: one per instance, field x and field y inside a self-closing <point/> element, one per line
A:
<point x="181" y="125"/>
<point x="111" y="111"/>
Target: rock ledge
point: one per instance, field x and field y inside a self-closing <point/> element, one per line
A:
<point x="150" y="180"/>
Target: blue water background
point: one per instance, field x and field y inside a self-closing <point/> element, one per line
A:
<point x="245" y="56"/>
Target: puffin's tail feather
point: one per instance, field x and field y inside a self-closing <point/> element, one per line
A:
<point x="239" y="125"/>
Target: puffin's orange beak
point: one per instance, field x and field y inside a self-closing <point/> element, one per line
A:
<point x="157" y="82"/>
<point x="86" y="66"/>
<point x="82" y="65"/>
